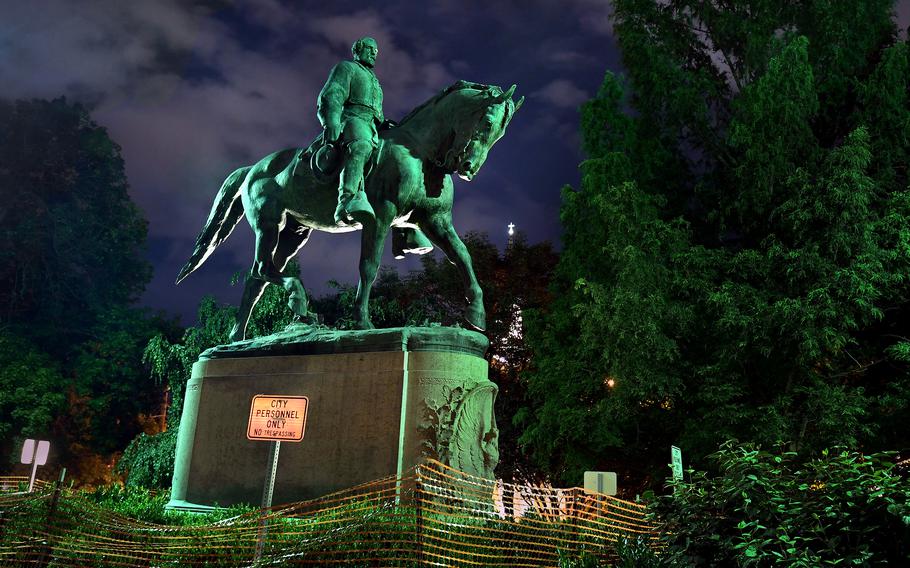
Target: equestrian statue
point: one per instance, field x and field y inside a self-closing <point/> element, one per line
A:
<point x="361" y="173"/>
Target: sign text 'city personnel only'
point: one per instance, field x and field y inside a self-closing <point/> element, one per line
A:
<point x="277" y="417"/>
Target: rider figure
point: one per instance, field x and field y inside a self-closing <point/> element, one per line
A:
<point x="350" y="110"/>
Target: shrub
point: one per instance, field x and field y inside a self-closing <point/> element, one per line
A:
<point x="772" y="509"/>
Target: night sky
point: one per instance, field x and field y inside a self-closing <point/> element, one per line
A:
<point x="192" y="92"/>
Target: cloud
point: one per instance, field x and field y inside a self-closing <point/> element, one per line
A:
<point x="562" y="93"/>
<point x="594" y="15"/>
<point x="902" y="17"/>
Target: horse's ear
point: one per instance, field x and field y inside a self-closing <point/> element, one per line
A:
<point x="518" y="105"/>
<point x="508" y="94"/>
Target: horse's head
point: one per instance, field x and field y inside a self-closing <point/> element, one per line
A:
<point x="467" y="118"/>
<point x="477" y="131"/>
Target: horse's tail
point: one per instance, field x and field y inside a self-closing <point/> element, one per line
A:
<point x="227" y="210"/>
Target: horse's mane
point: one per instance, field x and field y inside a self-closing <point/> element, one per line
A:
<point x="456" y="86"/>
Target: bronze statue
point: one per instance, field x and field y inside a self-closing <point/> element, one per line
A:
<point x="350" y="111"/>
<point x="408" y="189"/>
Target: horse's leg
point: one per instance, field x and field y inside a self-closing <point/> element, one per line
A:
<point x="264" y="217"/>
<point x="439" y="229"/>
<point x="252" y="291"/>
<point x="372" y="240"/>
<point x="262" y="273"/>
<point x="290" y="241"/>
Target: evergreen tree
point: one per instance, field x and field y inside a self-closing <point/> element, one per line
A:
<point x="735" y="261"/>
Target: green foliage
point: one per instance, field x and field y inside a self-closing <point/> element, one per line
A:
<point x="31" y="393"/>
<point x="735" y="260"/>
<point x="773" y="509"/>
<point x="640" y="552"/>
<point x="149" y="459"/>
<point x="149" y="506"/>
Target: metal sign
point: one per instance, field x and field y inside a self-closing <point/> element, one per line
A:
<point x="601" y="482"/>
<point x="277" y="417"/>
<point x="35" y="453"/>
<point x="39" y="454"/>
<point x="676" y="462"/>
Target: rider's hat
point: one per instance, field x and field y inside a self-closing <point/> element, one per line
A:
<point x="325" y="161"/>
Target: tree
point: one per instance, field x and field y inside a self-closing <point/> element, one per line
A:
<point x="734" y="263"/>
<point x="71" y="239"/>
<point x="71" y="267"/>
<point x="31" y="393"/>
<point x="774" y="508"/>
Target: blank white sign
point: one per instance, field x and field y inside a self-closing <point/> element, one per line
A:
<point x="28" y="451"/>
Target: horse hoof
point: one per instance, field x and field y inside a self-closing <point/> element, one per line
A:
<point x="477" y="319"/>
<point x="299" y="306"/>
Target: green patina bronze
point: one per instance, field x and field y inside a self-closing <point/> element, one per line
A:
<point x="350" y="111"/>
<point x="407" y="185"/>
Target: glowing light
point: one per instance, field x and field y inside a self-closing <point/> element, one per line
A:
<point x="610" y="382"/>
<point x="511" y="229"/>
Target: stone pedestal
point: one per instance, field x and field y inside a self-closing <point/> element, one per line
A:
<point x="380" y="401"/>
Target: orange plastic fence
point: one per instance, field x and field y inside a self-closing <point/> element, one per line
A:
<point x="11" y="483"/>
<point x="434" y="516"/>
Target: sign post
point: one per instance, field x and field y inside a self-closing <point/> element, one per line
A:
<point x="676" y="462"/>
<point x="600" y="482"/>
<point x="34" y="452"/>
<point x="274" y="418"/>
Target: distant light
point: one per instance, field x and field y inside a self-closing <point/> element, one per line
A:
<point x="511" y="229"/>
<point x="610" y="382"/>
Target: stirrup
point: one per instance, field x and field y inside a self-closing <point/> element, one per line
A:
<point x="354" y="209"/>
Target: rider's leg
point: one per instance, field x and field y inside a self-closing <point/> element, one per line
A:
<point x="350" y="199"/>
<point x="359" y="141"/>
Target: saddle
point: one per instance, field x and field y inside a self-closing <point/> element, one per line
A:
<point x="326" y="159"/>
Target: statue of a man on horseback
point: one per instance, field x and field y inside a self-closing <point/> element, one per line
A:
<point x="408" y="191"/>
<point x="350" y="111"/>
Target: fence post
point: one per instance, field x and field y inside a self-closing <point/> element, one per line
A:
<point x="418" y="510"/>
<point x="48" y="525"/>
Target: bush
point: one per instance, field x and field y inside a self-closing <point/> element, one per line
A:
<point x="149" y="459"/>
<point x="148" y="506"/>
<point x="771" y="509"/>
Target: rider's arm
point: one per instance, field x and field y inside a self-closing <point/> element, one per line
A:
<point x="333" y="96"/>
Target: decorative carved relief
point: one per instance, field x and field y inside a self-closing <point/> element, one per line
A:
<point x="459" y="428"/>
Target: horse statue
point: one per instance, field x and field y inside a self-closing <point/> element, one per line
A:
<point x="408" y="186"/>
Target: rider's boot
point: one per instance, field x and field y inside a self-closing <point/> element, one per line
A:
<point x="353" y="205"/>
